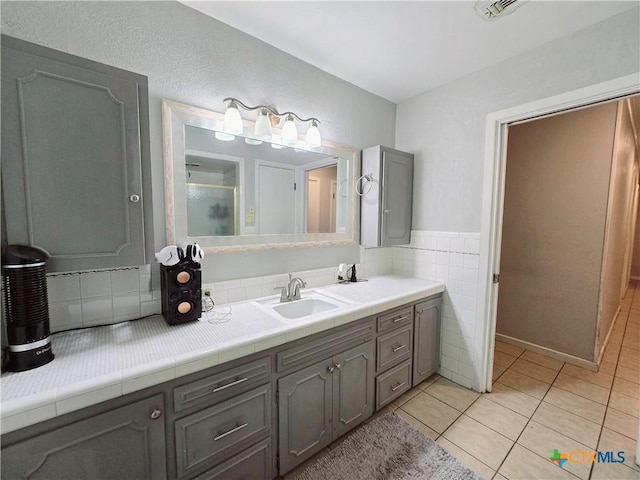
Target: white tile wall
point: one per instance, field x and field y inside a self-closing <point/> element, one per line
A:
<point x="87" y="299"/>
<point x="452" y="258"/>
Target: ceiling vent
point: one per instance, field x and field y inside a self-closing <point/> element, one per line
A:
<point x="492" y="10"/>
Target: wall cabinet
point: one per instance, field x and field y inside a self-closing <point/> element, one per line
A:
<point x="234" y="421"/>
<point x="320" y="403"/>
<point x="387" y="197"/>
<point x="75" y="158"/>
<point x="426" y="339"/>
<point x="129" y="439"/>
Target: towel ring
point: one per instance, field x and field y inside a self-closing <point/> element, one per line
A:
<point x="369" y="178"/>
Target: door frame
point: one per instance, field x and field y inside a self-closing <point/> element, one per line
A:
<point x="493" y="196"/>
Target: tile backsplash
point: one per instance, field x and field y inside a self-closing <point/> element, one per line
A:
<point x="87" y="299"/>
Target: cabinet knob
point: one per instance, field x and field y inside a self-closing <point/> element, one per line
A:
<point x="331" y="369"/>
<point x="386" y="211"/>
<point x="156" y="414"/>
<point x="135" y="198"/>
<point x="338" y="366"/>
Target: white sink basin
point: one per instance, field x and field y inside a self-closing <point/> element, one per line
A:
<point x="310" y="303"/>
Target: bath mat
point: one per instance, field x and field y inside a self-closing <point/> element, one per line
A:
<point x="387" y="448"/>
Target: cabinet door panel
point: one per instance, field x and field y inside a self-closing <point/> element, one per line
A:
<point x="305" y="409"/>
<point x="397" y="193"/>
<point x="72" y="161"/>
<point x="253" y="463"/>
<point x="122" y="443"/>
<point x="354" y="381"/>
<point x="426" y="339"/>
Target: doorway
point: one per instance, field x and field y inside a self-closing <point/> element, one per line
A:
<point x="494" y="184"/>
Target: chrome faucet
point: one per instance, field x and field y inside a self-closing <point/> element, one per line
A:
<point x="292" y="290"/>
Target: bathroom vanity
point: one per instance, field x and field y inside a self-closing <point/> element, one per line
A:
<point x="252" y="397"/>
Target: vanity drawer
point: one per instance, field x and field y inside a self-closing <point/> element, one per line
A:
<point x="315" y="350"/>
<point x="207" y="436"/>
<point x="395" y="319"/>
<point x="394" y="347"/>
<point x="254" y="462"/>
<point x="220" y="385"/>
<point x="390" y="385"/>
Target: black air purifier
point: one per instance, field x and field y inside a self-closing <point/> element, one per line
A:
<point x="181" y="286"/>
<point x="26" y="308"/>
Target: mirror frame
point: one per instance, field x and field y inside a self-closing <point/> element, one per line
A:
<point x="175" y="116"/>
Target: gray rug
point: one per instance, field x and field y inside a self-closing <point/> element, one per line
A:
<point x="387" y="448"/>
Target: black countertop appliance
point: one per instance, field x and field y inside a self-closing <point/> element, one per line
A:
<point x="26" y="308"/>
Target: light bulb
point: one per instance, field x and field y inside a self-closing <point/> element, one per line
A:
<point x="289" y="131"/>
<point x="262" y="130"/>
<point x="313" y="135"/>
<point x="232" y="119"/>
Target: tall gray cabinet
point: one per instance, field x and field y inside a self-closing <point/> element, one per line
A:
<point x="75" y="158"/>
<point x="387" y="197"/>
<point x="426" y="339"/>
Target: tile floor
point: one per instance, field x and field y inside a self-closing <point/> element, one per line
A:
<point x="539" y="404"/>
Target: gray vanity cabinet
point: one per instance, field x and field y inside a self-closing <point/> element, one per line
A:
<point x="320" y="403"/>
<point x="127" y="439"/>
<point x="426" y="340"/>
<point x="387" y="197"/>
<point x="75" y="158"/>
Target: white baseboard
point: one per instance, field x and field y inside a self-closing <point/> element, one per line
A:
<point x="564" y="357"/>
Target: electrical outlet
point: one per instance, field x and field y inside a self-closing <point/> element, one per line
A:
<point x="208" y="289"/>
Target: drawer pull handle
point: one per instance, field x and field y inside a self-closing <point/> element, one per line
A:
<point x="237" y="382"/>
<point x="393" y="389"/>
<point x="397" y="319"/>
<point x="398" y="348"/>
<point x="156" y="414"/>
<point x="233" y="430"/>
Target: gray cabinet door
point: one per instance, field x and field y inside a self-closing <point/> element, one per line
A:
<point x="353" y="384"/>
<point x="72" y="150"/>
<point x="304" y="411"/>
<point x="426" y="346"/>
<point x="397" y="197"/>
<point x="124" y="443"/>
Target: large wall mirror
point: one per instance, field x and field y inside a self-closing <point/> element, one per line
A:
<point x="234" y="192"/>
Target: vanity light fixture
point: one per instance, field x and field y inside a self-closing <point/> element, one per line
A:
<point x="267" y="117"/>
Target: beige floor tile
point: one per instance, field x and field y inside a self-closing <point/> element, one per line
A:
<point x="452" y="394"/>
<point x="509" y="349"/>
<point x="503" y="359"/>
<point x="598" y="378"/>
<point x="542" y="440"/>
<point x="405" y="397"/>
<point x="615" y="442"/>
<point x="613" y="471"/>
<point x="624" y="403"/>
<point x="626" y="387"/>
<point x="470" y="461"/>
<point x="478" y="440"/>
<point x="582" y="388"/>
<point x="534" y="370"/>
<point x="431" y="411"/>
<point x="524" y="383"/>
<point x="631" y="353"/>
<point x="543" y="360"/>
<point x="513" y="399"/>
<point x="607" y="368"/>
<point x="497" y="371"/>
<point x="576" y="404"/>
<point x="523" y="464"/>
<point x="630" y="374"/>
<point x="568" y="424"/>
<point x="498" y="418"/>
<point x="417" y="424"/>
<point x="627" y="361"/>
<point x="610" y="356"/>
<point x="621" y="423"/>
<point x="424" y="385"/>
<point x="499" y="477"/>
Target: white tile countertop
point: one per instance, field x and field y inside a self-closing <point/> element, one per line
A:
<point x="97" y="364"/>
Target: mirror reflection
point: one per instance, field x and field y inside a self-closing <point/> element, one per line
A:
<point x="232" y="190"/>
